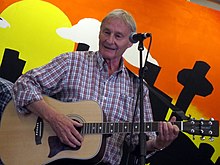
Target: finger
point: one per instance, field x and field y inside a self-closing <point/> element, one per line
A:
<point x="70" y="134"/>
<point x="160" y="129"/>
<point x="77" y="124"/>
<point x="74" y="140"/>
<point x="176" y="130"/>
<point x="75" y="132"/>
<point x="174" y="127"/>
<point x="63" y="136"/>
<point x="163" y="130"/>
<point x="69" y="138"/>
<point x="173" y="119"/>
<point x="76" y="135"/>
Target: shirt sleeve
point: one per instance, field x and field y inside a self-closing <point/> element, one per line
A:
<point x="45" y="80"/>
<point x="5" y="94"/>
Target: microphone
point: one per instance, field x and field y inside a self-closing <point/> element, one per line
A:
<point x="135" y="37"/>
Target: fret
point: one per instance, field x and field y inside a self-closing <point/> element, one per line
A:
<point x="86" y="125"/>
<point x="100" y="125"/>
<point x="84" y="128"/>
<point x="148" y="127"/>
<point x="96" y="128"/>
<point x="93" y="128"/>
<point x="89" y="128"/>
<point x="107" y="128"/>
<point x="104" y="128"/>
<point x="136" y="127"/>
<point x="121" y="125"/>
<point x="126" y="127"/>
<point x="129" y="127"/>
<point x="112" y="130"/>
<point x="116" y="127"/>
<point x="154" y="126"/>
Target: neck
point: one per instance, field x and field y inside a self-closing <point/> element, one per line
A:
<point x="113" y="66"/>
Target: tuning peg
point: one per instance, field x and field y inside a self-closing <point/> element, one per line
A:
<point x="210" y="122"/>
<point x="202" y="121"/>
<point x="202" y="138"/>
<point x="211" y="139"/>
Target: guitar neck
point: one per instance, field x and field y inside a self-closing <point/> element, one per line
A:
<point x="203" y="128"/>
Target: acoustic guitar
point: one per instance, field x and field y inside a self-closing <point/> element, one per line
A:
<point x="29" y="140"/>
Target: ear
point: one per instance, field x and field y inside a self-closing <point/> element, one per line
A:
<point x="130" y="44"/>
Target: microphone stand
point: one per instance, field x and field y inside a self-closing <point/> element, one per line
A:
<point x="142" y="135"/>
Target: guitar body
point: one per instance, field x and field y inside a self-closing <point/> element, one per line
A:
<point x="18" y="143"/>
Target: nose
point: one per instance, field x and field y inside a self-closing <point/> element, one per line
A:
<point x="111" y="39"/>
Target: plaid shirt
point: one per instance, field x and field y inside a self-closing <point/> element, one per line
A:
<point x="5" y="94"/>
<point x="79" y="76"/>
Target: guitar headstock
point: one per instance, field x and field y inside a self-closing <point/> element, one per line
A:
<point x="202" y="127"/>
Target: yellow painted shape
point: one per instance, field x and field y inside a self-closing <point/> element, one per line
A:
<point x="32" y="32"/>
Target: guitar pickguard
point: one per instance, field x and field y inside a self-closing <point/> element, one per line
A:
<point x="57" y="146"/>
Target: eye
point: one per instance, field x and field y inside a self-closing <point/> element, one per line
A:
<point x="118" y="36"/>
<point x="106" y="32"/>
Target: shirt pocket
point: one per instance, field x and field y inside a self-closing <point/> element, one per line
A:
<point x="125" y="107"/>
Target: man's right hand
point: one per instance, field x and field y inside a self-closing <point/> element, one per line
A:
<point x="64" y="127"/>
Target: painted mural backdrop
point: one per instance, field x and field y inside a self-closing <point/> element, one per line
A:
<point x="185" y="46"/>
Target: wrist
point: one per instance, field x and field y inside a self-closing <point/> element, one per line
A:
<point x="155" y="146"/>
<point x="158" y="149"/>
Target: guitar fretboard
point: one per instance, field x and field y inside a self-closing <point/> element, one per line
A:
<point x="110" y="128"/>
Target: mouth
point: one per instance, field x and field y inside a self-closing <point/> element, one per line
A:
<point x="109" y="48"/>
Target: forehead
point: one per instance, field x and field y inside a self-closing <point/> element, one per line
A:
<point x="116" y="24"/>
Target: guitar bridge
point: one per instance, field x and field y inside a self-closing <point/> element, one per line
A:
<point x="39" y="128"/>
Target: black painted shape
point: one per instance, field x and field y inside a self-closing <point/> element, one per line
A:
<point x="11" y="66"/>
<point x="159" y="108"/>
<point x="151" y="73"/>
<point x="217" y="161"/>
<point x="206" y="151"/>
<point x="182" y="152"/>
<point x="194" y="83"/>
<point x="82" y="47"/>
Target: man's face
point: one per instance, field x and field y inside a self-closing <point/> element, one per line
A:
<point x="114" y="39"/>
